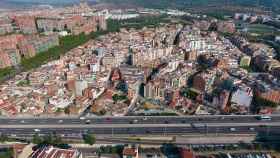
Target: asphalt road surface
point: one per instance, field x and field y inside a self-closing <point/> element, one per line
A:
<point x="75" y="127"/>
<point x="135" y="120"/>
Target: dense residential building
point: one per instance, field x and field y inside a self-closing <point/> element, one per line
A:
<point x="221" y="101"/>
<point x="268" y="93"/>
<point x="39" y="43"/>
<point x="14" y="47"/>
<point x="75" y="24"/>
<point x="242" y="96"/>
<point x="203" y="82"/>
<point x="171" y="68"/>
<point x="26" y="24"/>
<point x="49" y="24"/>
<point x="226" y="27"/>
<point x="6" y="26"/>
<point x="130" y="152"/>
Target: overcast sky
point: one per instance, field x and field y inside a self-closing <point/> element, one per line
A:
<point x="45" y="1"/>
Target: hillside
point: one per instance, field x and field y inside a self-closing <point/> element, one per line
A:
<point x="272" y="4"/>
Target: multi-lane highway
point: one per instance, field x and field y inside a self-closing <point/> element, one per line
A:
<point x="134" y="120"/>
<point x="75" y="127"/>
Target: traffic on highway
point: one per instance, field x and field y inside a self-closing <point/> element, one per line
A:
<point x="75" y="127"/>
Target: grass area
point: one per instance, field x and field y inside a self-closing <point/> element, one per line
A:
<point x="69" y="42"/>
<point x="261" y="29"/>
<point x="149" y="21"/>
<point x="217" y="15"/>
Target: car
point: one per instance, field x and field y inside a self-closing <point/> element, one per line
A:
<point x="82" y="118"/>
<point x="22" y="121"/>
<point x="252" y="129"/>
<point x="135" y="121"/>
<point x="37" y="130"/>
<point x="88" y="121"/>
<point x="60" y="121"/>
<point x="233" y="129"/>
<point x="145" y="118"/>
<point x="166" y="122"/>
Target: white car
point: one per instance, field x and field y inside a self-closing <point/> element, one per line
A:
<point x="60" y="121"/>
<point x="37" y="130"/>
<point x="232" y="129"/>
<point x="82" y="118"/>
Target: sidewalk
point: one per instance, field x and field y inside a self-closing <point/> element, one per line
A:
<point x="214" y="139"/>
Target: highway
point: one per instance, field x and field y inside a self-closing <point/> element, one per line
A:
<point x="135" y="130"/>
<point x="75" y="127"/>
<point x="135" y="120"/>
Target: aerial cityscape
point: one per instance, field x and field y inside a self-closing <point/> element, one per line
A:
<point x="139" y="79"/>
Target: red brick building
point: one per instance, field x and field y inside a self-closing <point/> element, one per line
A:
<point x="186" y="153"/>
<point x="272" y="95"/>
<point x="26" y="24"/>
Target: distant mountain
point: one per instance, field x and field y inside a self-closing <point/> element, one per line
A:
<point x="30" y="3"/>
<point x="274" y="4"/>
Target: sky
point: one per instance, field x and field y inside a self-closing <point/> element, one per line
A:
<point x="44" y="1"/>
<point x="29" y="3"/>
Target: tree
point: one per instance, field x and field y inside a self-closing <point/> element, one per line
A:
<point x="89" y="139"/>
<point x="122" y="86"/>
<point x="3" y="138"/>
<point x="67" y="110"/>
<point x="188" y="93"/>
<point x="37" y="139"/>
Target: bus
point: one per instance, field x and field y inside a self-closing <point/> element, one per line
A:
<point x="264" y="118"/>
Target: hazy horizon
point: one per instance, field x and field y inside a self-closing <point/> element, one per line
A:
<point x="29" y="3"/>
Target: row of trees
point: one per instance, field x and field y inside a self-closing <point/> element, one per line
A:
<point x="55" y="140"/>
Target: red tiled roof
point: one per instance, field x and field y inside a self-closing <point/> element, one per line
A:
<point x="9" y="108"/>
<point x="51" y="152"/>
<point x="129" y="152"/>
